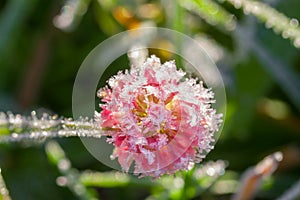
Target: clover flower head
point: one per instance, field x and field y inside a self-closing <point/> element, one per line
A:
<point x="157" y="119"/>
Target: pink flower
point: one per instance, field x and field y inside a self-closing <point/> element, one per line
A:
<point x="157" y="118"/>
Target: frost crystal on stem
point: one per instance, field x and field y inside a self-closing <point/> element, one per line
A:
<point x="157" y="118"/>
<point x="20" y="128"/>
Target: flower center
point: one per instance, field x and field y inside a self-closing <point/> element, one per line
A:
<point x="156" y="116"/>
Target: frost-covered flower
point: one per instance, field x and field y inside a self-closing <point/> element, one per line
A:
<point x="157" y="118"/>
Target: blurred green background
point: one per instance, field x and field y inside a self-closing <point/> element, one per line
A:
<point x="43" y="43"/>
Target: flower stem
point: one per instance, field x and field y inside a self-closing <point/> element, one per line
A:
<point x="4" y="193"/>
<point x="18" y="128"/>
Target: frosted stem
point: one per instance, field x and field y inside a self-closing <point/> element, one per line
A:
<point x="291" y="193"/>
<point x="18" y="128"/>
<point x="252" y="178"/>
<point x="69" y="175"/>
<point x="288" y="28"/>
<point x="4" y="194"/>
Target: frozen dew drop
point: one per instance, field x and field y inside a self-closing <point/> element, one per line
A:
<point x="269" y="24"/>
<point x="79" y="189"/>
<point x="247" y="9"/>
<point x="191" y="165"/>
<point x="297" y="42"/>
<point x="294" y="22"/>
<point x="276" y="30"/>
<point x="278" y="156"/>
<point x="62" y="181"/>
<point x="210" y="171"/>
<point x="178" y="182"/>
<point x="237" y="4"/>
<point x="112" y="157"/>
<point x="285" y="34"/>
<point x="64" y="164"/>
